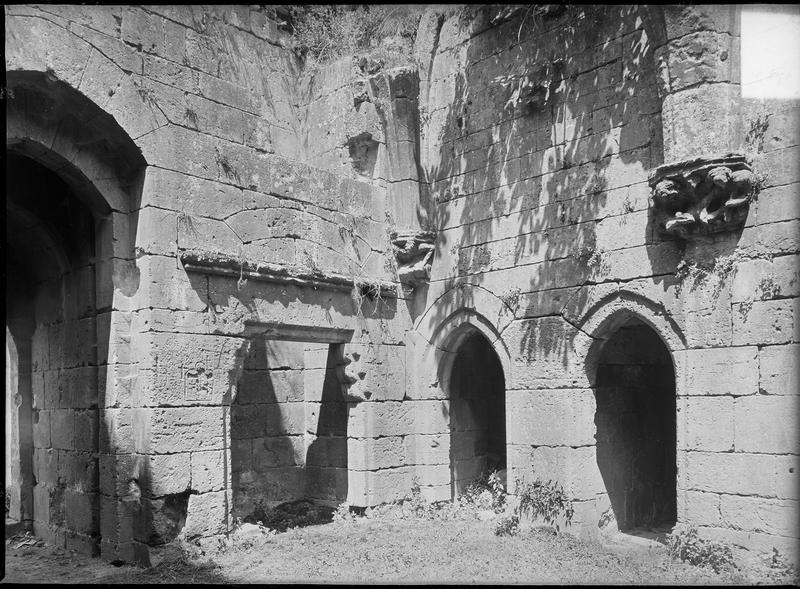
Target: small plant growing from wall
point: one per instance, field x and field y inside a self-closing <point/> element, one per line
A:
<point x="532" y="86"/>
<point x="511" y="298"/>
<point x="364" y="289"/>
<point x="686" y="545"/>
<point x="769" y="288"/>
<point x="545" y="500"/>
<point x="383" y="35"/>
<point x="227" y="167"/>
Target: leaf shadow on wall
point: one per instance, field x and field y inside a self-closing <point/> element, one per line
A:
<point x="523" y="185"/>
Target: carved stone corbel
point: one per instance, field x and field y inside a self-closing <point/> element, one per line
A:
<point x="702" y="196"/>
<point x="413" y="251"/>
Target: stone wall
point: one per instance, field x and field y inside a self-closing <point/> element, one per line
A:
<point x="543" y="208"/>
<point x="290" y="262"/>
<point x="229" y="229"/>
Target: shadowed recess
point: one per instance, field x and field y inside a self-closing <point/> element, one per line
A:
<point x="636" y="427"/>
<point x="477" y="412"/>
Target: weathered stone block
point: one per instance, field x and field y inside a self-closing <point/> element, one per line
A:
<point x="377" y="487"/>
<point x="782" y="166"/>
<point x="206" y="514"/>
<point x="181" y="429"/>
<point x="778" y="203"/>
<point x="190" y="194"/>
<point x="787" y="470"/>
<point x="81" y="543"/>
<point x="45" y="466"/>
<point x="209" y="470"/>
<point x="427" y="449"/>
<point x="86" y="434"/>
<point x="82" y="337"/>
<point x="375" y="453"/>
<point x="326" y="483"/>
<point x="62" y="428"/>
<point x="275" y="486"/>
<point x="763" y="279"/>
<point x="771" y="516"/>
<point x="44" y="505"/>
<point x="682" y="111"/>
<point x="565" y="417"/>
<point x="706" y="423"/>
<point x="167" y="474"/>
<point x="574" y="468"/>
<point x="77" y="470"/>
<point x="735" y="473"/>
<point x="51" y="535"/>
<point x="779" y="369"/>
<point x="771" y="239"/>
<point x="700" y="509"/>
<point x="81" y="511"/>
<point x="276" y="452"/>
<point x="160" y="285"/>
<point x="269" y="386"/>
<point x="703" y="56"/>
<point x="721" y="371"/>
<point x="143" y="29"/>
<point x="766" y="322"/>
<point x="286" y="419"/>
<point x="767" y="424"/>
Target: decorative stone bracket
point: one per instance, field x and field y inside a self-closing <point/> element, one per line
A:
<point x="702" y="196"/>
<point x="413" y="251"/>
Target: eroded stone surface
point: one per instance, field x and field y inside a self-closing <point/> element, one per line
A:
<point x="700" y="197"/>
<point x="208" y="249"/>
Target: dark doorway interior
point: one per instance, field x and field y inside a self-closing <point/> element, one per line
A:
<point x="52" y="320"/>
<point x="636" y="427"/>
<point x="477" y="412"/>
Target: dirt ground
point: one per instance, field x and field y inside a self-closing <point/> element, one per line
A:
<point x="364" y="550"/>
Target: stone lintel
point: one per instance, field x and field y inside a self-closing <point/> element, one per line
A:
<point x="202" y="263"/>
<point x="298" y="333"/>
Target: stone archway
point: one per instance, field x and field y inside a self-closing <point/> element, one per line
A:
<point x="74" y="181"/>
<point x="636" y="422"/>
<point x="476" y="389"/>
<point x="52" y="313"/>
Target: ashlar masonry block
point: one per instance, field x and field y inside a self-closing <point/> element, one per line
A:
<point x="767" y="423"/>
<point x="771" y="516"/>
<point x="735" y="473"/>
<point x="766" y="322"/>
<point x="706" y="423"/>
<point x="208" y="514"/>
<point x="721" y="371"/>
<point x="565" y="417"/>
<point x="779" y="369"/>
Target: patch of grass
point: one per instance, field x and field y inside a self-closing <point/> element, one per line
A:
<point x="507" y="526"/>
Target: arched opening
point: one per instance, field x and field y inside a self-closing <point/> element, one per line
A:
<point x="636" y="427"/>
<point x="73" y="187"/>
<point x="51" y="317"/>
<point x="477" y="392"/>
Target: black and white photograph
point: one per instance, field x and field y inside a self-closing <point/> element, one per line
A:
<point x="402" y="294"/>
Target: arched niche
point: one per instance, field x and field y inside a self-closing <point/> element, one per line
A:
<point x="73" y="184"/>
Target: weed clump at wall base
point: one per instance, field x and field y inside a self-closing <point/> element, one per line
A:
<point x="686" y="545"/>
<point x="547" y="500"/>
